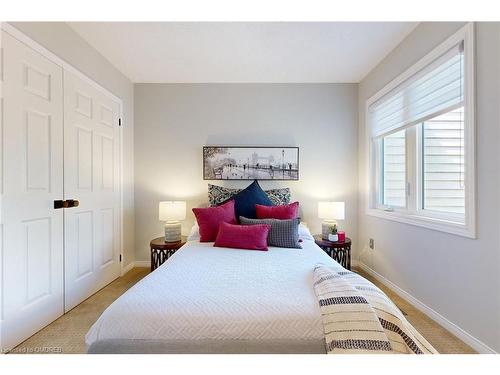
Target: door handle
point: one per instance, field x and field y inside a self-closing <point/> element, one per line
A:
<point x="68" y="203"/>
<point x="72" y="203"/>
<point x="58" y="204"/>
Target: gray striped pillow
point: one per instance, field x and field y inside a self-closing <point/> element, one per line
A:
<point x="283" y="233"/>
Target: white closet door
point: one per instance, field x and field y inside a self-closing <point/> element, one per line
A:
<point x="32" y="261"/>
<point x="91" y="176"/>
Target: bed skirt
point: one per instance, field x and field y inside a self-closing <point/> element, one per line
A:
<point x="117" y="346"/>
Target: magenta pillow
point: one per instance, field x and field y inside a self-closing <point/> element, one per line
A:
<point x="284" y="212"/>
<point x="209" y="219"/>
<point x="251" y="237"/>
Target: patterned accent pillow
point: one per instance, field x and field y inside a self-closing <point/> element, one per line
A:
<point x="220" y="194"/>
<point x="279" y="197"/>
<point x="283" y="233"/>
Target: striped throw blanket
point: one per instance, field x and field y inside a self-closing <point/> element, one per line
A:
<point x="359" y="318"/>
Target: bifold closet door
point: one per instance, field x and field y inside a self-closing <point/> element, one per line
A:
<point x="91" y="176"/>
<point x="32" y="179"/>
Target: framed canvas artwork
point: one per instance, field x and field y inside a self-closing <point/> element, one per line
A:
<point x="250" y="163"/>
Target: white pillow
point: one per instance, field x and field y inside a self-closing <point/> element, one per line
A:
<point x="194" y="234"/>
<point x="304" y="233"/>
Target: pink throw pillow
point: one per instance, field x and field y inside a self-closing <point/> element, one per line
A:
<point x="251" y="237"/>
<point x="209" y="219"/>
<point x="284" y="212"/>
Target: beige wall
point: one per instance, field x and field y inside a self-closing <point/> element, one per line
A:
<point x="457" y="277"/>
<point x="174" y="121"/>
<point x="61" y="40"/>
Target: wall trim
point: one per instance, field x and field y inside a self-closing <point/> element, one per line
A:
<point x="142" y="263"/>
<point x="127" y="268"/>
<point x="466" y="337"/>
<point x="136" y="264"/>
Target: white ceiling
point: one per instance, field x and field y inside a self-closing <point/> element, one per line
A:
<point x="163" y="52"/>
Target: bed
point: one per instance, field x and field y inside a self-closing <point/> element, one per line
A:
<point x="219" y="300"/>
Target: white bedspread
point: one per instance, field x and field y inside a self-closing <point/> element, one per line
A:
<point x="203" y="292"/>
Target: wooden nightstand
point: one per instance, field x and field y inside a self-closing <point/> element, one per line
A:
<point x="161" y="250"/>
<point x="339" y="251"/>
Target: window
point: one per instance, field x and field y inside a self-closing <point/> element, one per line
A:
<point x="394" y="169"/>
<point x="443" y="163"/>
<point x="421" y="137"/>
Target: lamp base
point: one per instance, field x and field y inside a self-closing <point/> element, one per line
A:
<point x="326" y="228"/>
<point x="173" y="231"/>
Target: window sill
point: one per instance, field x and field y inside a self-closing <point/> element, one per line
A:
<point x="440" y="225"/>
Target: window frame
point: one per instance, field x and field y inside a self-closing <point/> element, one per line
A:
<point x="381" y="186"/>
<point x="414" y="213"/>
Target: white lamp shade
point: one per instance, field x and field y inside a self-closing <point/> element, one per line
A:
<point x="172" y="211"/>
<point x="331" y="210"/>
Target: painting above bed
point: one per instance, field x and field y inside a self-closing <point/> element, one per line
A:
<point x="250" y="163"/>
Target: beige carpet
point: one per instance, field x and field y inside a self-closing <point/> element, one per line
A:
<point x="67" y="334"/>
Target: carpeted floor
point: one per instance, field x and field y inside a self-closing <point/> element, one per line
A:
<point x="67" y="334"/>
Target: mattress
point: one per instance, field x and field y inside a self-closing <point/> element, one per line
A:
<point x="219" y="300"/>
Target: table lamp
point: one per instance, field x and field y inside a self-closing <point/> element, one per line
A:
<point x="330" y="212"/>
<point x="172" y="213"/>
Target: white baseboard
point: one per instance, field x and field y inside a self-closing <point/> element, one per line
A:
<point x="470" y="340"/>
<point x="142" y="263"/>
<point x="137" y="263"/>
<point x="127" y="268"/>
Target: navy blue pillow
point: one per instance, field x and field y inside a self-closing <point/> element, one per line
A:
<point x="245" y="200"/>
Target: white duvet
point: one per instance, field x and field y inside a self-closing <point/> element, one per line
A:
<point x="204" y="292"/>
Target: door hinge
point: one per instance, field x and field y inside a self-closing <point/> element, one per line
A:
<point x="120" y="257"/>
<point x="119" y="122"/>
